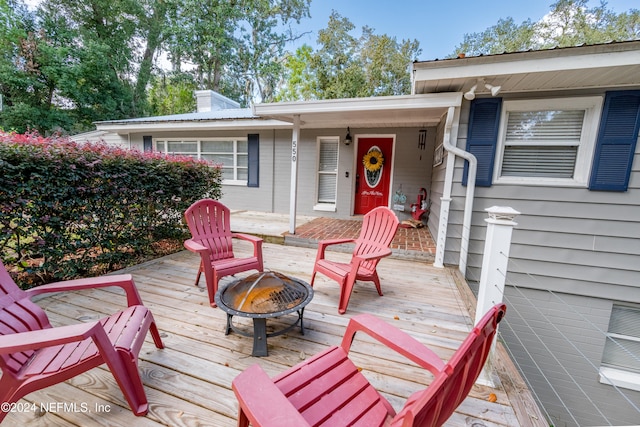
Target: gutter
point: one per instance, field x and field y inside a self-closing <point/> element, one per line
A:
<point x="446" y="195"/>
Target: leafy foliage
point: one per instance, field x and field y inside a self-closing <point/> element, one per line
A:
<point x="74" y="62"/>
<point x="67" y="208"/>
<point x="236" y="47"/>
<point x="172" y="94"/>
<point x="61" y="74"/>
<point x="346" y="66"/>
<point x="299" y="84"/>
<point x="386" y="64"/>
<point x="569" y="23"/>
<point x="336" y="64"/>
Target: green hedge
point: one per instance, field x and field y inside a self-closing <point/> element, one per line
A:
<point x="66" y="208"/>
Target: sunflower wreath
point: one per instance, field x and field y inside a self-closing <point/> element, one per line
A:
<point x="373" y="160"/>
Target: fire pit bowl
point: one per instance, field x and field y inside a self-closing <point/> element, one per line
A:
<point x="262" y="296"/>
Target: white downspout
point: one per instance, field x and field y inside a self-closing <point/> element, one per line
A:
<point x="446" y="195"/>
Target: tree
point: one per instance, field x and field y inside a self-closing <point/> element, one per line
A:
<point x="346" y="66"/>
<point x="262" y="42"/>
<point x="505" y="36"/>
<point x="336" y="65"/>
<point x="105" y="37"/>
<point x="297" y="82"/>
<point x="172" y="94"/>
<point x="235" y="47"/>
<point x="572" y="22"/>
<point x="68" y="66"/>
<point x="23" y="83"/>
<point x="569" y="23"/>
<point x="201" y="32"/>
<point x="79" y="61"/>
<point x="386" y="64"/>
<point x="153" y="24"/>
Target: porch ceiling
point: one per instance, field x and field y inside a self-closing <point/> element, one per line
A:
<point x="584" y="67"/>
<point x="387" y="111"/>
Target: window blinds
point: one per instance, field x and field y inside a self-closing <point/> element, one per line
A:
<point x="542" y="143"/>
<point x="328" y="170"/>
<point x="622" y="349"/>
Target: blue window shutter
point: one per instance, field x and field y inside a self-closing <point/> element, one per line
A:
<point x="482" y="138"/>
<point x="616" y="142"/>
<point x="253" y="147"/>
<point x="147" y="142"/>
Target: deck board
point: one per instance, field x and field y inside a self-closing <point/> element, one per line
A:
<point x="188" y="382"/>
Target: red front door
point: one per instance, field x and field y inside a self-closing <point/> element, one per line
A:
<point x="373" y="173"/>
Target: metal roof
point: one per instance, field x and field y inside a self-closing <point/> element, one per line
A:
<point x="235" y="118"/>
<point x="227" y="114"/>
<point x="437" y="85"/>
<point x="609" y="65"/>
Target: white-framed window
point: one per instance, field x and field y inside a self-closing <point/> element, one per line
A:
<point x="547" y="141"/>
<point x="621" y="356"/>
<point x="326" y="194"/>
<point x="231" y="153"/>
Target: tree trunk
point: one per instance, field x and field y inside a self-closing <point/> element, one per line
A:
<point x="154" y="37"/>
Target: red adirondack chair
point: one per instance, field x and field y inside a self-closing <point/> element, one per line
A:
<point x="211" y="237"/>
<point x="35" y="355"/>
<point x="378" y="229"/>
<point x="328" y="389"/>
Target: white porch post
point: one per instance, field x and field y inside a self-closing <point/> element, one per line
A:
<point x="496" y="257"/>
<point x="446" y="193"/>
<point x="442" y="230"/>
<point x="494" y="270"/>
<point x="293" y="197"/>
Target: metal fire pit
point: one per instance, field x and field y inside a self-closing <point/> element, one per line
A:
<point x="262" y="296"/>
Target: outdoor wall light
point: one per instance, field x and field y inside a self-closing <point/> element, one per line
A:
<point x="422" y="139"/>
<point x="493" y="89"/>
<point x="348" y="139"/>
<point x="471" y="94"/>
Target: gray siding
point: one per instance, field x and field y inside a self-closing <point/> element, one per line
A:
<point x="560" y="350"/>
<point x="111" y="139"/>
<point x="437" y="185"/>
<point x="234" y="196"/>
<point x="281" y="171"/>
<point x="412" y="168"/>
<point x="581" y="245"/>
<point x="307" y="179"/>
<point x="569" y="233"/>
<point x="241" y="197"/>
<point x="594" y="232"/>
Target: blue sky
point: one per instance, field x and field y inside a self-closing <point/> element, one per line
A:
<point x="439" y="26"/>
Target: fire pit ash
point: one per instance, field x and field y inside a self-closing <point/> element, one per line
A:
<point x="262" y="296"/>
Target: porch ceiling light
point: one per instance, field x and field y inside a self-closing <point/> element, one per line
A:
<point x="471" y="94"/>
<point x="348" y="139"/>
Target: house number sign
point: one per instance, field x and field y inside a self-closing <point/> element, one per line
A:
<point x="294" y="151"/>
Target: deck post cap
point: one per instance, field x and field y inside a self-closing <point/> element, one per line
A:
<point x="502" y="213"/>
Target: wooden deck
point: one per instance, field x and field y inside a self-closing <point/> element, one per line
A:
<point x="189" y="382"/>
